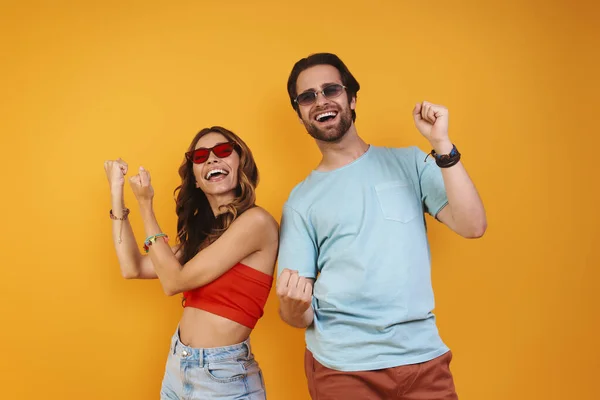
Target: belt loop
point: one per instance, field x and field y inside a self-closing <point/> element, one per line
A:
<point x="248" y="348"/>
<point x="201" y="357"/>
<point x="175" y="339"/>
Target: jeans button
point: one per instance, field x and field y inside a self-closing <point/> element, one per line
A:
<point x="184" y="353"/>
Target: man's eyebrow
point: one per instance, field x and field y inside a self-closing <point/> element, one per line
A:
<point x="322" y="86"/>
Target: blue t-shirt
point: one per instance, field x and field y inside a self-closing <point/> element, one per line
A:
<point x="360" y="231"/>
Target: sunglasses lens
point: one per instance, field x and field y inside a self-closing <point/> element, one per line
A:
<point x="306" y="98"/>
<point x="333" y="91"/>
<point x="223" y="150"/>
<point x="199" y="156"/>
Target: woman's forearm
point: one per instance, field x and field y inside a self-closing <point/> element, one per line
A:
<point x="126" y="247"/>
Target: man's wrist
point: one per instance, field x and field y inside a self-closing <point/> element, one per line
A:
<point x="297" y="320"/>
<point x="442" y="146"/>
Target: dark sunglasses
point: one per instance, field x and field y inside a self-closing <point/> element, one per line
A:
<point x="329" y="92"/>
<point x="220" y="150"/>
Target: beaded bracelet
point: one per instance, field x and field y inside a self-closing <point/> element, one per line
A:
<point x="123" y="218"/>
<point x="152" y="239"/>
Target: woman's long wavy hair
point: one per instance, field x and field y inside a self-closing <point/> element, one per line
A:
<point x="196" y="223"/>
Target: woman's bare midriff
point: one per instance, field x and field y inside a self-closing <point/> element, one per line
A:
<point x="201" y="329"/>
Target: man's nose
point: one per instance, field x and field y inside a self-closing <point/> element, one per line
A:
<point x="321" y="99"/>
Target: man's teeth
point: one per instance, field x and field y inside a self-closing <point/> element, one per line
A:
<point x="320" y="117"/>
<point x="215" y="171"/>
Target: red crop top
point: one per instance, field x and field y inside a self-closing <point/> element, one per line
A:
<point x="239" y="294"/>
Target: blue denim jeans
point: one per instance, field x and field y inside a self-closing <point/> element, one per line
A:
<point x="228" y="372"/>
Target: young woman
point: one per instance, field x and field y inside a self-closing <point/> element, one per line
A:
<point x="223" y="264"/>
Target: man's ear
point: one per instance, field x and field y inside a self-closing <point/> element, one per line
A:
<point x="353" y="103"/>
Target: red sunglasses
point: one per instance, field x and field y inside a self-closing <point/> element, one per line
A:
<point x="220" y="150"/>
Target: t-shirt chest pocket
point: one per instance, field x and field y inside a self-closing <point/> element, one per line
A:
<point x="398" y="200"/>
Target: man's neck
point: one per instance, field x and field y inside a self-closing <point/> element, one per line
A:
<point x="343" y="152"/>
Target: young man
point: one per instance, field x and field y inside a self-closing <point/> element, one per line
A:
<point x="355" y="229"/>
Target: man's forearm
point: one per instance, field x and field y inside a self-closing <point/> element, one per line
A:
<point x="466" y="206"/>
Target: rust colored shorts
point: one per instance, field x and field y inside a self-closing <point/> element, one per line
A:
<point x="431" y="380"/>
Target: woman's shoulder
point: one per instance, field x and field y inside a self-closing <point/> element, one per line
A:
<point x="257" y="222"/>
<point x="261" y="218"/>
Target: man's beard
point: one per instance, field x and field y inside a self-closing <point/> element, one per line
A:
<point x="334" y="133"/>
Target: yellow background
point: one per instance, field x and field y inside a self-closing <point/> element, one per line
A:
<point x="82" y="82"/>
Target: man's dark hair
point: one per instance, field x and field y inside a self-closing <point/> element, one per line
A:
<point x="348" y="80"/>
